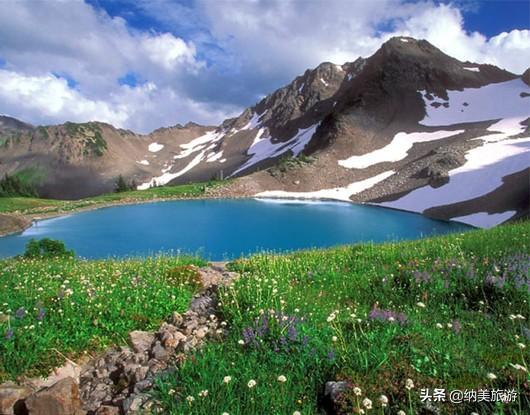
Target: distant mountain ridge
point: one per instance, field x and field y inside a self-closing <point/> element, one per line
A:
<point x="378" y="130"/>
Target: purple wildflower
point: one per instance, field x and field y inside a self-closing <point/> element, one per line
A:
<point x="41" y="314"/>
<point x="500" y="282"/>
<point x="387" y="315"/>
<point x="20" y="313"/>
<point x="292" y="333"/>
<point x="421" y="277"/>
<point x="331" y="355"/>
<point x="249" y="337"/>
<point x="9" y="334"/>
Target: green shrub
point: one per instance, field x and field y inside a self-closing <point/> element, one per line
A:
<point x="47" y="248"/>
<point x="123" y="186"/>
<point x="12" y="186"/>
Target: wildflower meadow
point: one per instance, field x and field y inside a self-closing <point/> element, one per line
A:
<point x="389" y="320"/>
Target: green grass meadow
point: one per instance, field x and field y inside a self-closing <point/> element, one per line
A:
<point x="390" y="319"/>
<point x="51" y="309"/>
<point x="38" y="206"/>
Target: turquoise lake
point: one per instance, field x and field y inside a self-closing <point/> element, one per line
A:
<point x="225" y="229"/>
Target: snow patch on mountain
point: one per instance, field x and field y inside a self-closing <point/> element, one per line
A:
<point x="506" y="127"/>
<point x="395" y="151"/>
<point x="166" y="177"/>
<point x="199" y="143"/>
<point x="490" y="102"/>
<point x="214" y="157"/>
<point x="253" y="122"/>
<point x="485" y="219"/>
<point x="471" y="68"/>
<point x="263" y="148"/>
<point x="336" y="193"/>
<point x="155" y="147"/>
<point x="143" y="162"/>
<point x="482" y="173"/>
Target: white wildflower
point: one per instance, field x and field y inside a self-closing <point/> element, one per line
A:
<point x="409" y="384"/>
<point x="367" y="403"/>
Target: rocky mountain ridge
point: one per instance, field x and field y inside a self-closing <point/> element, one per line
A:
<point x="377" y="129"/>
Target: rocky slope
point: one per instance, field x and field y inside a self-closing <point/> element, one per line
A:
<point x="409" y="128"/>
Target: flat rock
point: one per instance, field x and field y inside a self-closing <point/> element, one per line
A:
<point x="59" y="399"/>
<point x="141" y="341"/>
<point x="12" y="398"/>
<point x="68" y="370"/>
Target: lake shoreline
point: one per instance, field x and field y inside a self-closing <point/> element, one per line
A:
<point x="14" y="223"/>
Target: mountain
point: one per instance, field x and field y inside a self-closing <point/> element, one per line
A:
<point x="408" y="128"/>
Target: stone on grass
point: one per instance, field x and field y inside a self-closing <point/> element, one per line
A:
<point x="141" y="341"/>
<point x="59" y="399"/>
<point x="12" y="398"/>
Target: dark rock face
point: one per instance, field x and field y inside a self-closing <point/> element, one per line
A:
<point x="526" y="77"/>
<point x="444" y="160"/>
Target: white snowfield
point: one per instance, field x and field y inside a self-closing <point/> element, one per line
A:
<point x="336" y="193"/>
<point x="214" y="157"/>
<point x="485" y="219"/>
<point x="485" y="167"/>
<point x="263" y="148"/>
<point x="471" y="68"/>
<point x="167" y="177"/>
<point x="482" y="173"/>
<point x="144" y="162"/>
<point x="490" y="102"/>
<point x="395" y="151"/>
<point x="199" y="143"/>
<point x="155" y="147"/>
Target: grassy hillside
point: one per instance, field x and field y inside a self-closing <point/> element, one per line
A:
<point x="36" y="206"/>
<point x="61" y="307"/>
<point x="449" y="312"/>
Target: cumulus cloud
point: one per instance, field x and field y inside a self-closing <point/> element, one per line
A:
<point x="44" y="98"/>
<point x="73" y="39"/>
<point x="205" y="60"/>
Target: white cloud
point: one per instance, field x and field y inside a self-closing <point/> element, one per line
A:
<point x="168" y="51"/>
<point x="443" y="26"/>
<point x="73" y="39"/>
<point x="42" y="99"/>
<point x="252" y="47"/>
<point x="294" y="35"/>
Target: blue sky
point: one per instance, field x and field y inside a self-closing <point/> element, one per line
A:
<point x="148" y="63"/>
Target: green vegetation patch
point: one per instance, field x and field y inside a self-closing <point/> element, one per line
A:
<point x="449" y="312"/>
<point x="57" y="307"/>
<point x="288" y="163"/>
<point x="90" y="133"/>
<point x="36" y="206"/>
<point x="13" y="186"/>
